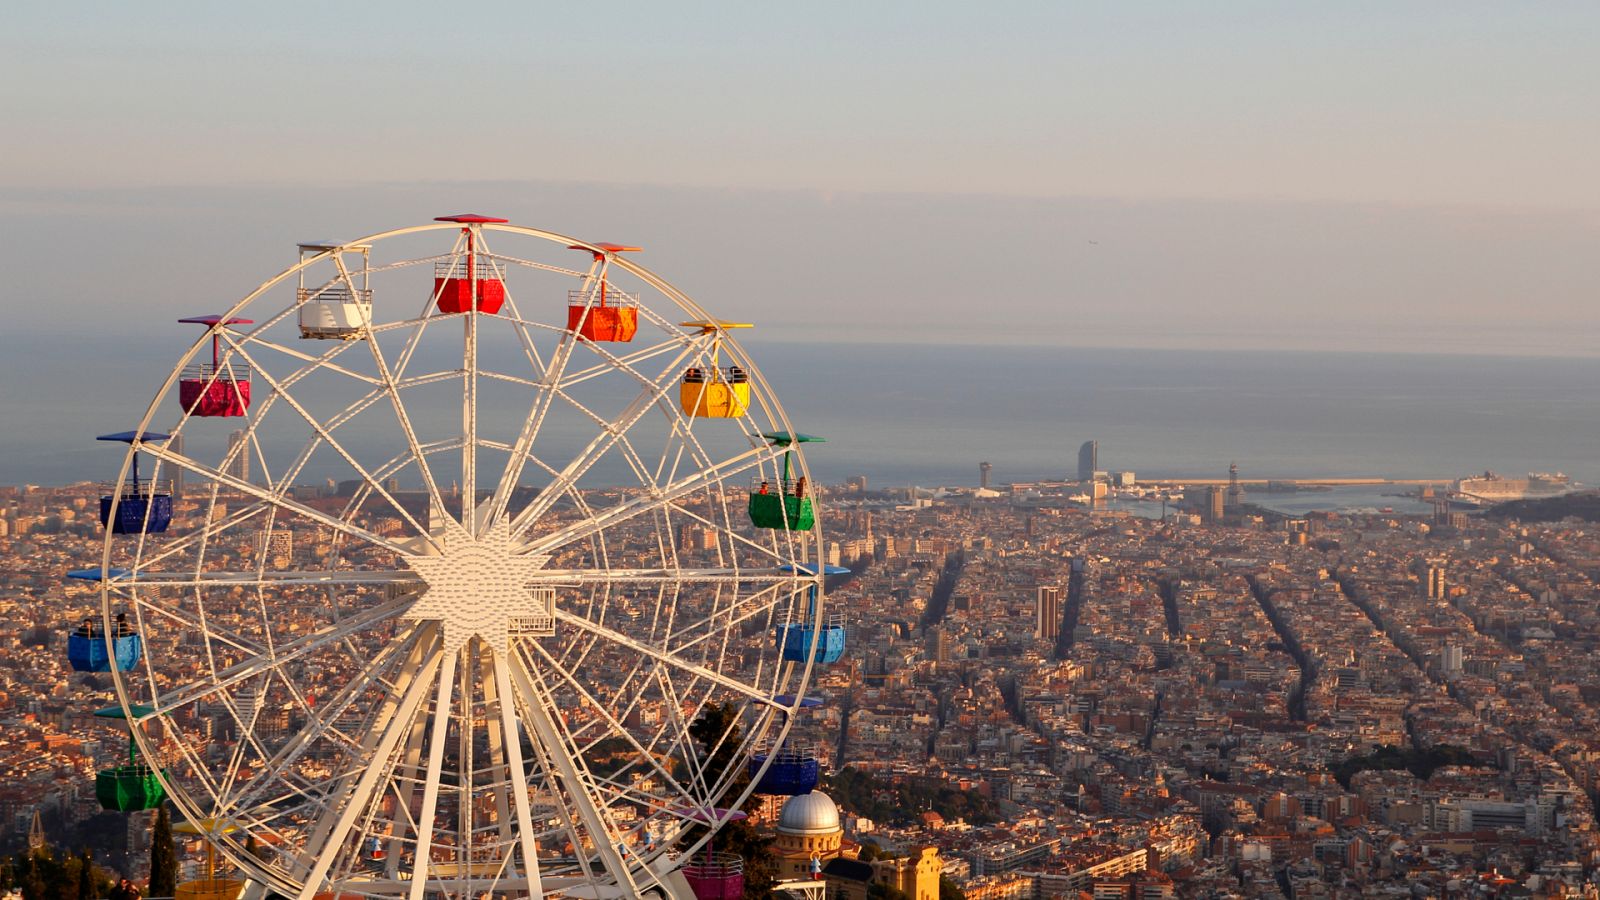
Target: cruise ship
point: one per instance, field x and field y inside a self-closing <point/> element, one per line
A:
<point x="1491" y="488"/>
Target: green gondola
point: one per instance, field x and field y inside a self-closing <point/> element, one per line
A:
<point x="787" y="505"/>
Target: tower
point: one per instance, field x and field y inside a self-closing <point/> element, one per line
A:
<point x="36" y="839"/>
<point x="983" y="474"/>
<point x="1235" y="490"/>
<point x="1047" y="613"/>
<point x="239" y="455"/>
<point x="1088" y="460"/>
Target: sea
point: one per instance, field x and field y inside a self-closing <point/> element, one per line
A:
<point x="927" y="414"/>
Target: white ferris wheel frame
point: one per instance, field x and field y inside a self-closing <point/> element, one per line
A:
<point x="512" y="681"/>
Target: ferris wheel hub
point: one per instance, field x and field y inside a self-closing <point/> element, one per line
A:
<point x="479" y="587"/>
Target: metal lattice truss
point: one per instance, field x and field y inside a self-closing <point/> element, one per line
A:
<point x="471" y="665"/>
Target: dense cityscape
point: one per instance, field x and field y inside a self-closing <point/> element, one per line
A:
<point x="1042" y="698"/>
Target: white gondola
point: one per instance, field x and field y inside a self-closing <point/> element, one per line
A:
<point x="340" y="308"/>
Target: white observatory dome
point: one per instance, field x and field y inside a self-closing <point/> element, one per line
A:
<point x="812" y="813"/>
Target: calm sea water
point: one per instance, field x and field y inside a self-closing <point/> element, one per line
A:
<point x="903" y="414"/>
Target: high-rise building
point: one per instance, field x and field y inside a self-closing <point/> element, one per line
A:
<point x="238" y="456"/>
<point x="1434" y="586"/>
<point x="983" y="474"/>
<point x="1047" y="624"/>
<point x="939" y="643"/>
<point x="1216" y="504"/>
<point x="1088" y="460"/>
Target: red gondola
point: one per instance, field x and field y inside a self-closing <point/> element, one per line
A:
<point x="218" y="389"/>
<point x="601" y="312"/>
<point x="473" y="281"/>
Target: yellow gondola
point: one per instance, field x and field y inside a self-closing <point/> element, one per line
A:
<point x="715" y="391"/>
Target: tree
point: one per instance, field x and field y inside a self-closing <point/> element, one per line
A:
<point x="163" y="858"/>
<point x="32" y="878"/>
<point x="86" y="885"/>
<point x="717" y="733"/>
<point x="948" y="889"/>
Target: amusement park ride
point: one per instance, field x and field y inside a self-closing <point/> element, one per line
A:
<point x="482" y="683"/>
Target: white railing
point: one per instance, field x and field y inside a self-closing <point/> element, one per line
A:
<point x="333" y="294"/>
<point x="484" y="269"/>
<point x="614" y="297"/>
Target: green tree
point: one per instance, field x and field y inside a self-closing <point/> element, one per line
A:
<point x="717" y="733"/>
<point x="86" y="885"/>
<point x="163" y="858"/>
<point x="948" y="889"/>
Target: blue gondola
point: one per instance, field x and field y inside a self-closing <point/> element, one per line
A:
<point x="799" y="640"/>
<point x="792" y="772"/>
<point x="140" y="507"/>
<point x="825" y="647"/>
<point x="87" y="652"/>
<point x="86" y="647"/>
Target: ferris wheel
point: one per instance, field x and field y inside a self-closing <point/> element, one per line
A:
<point x="428" y="557"/>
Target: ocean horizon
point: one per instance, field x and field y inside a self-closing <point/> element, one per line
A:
<point x="925" y="414"/>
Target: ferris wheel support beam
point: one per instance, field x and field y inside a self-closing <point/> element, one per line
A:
<point x="330" y="833"/>
<point x="538" y="704"/>
<point x="422" y="860"/>
<point x="280" y="762"/>
<point x="498" y="758"/>
<point x="512" y="737"/>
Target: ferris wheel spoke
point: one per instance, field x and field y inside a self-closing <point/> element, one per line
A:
<point x="732" y="616"/>
<point x="531" y="428"/>
<point x="322" y="363"/>
<point x="611" y="362"/>
<point x="617" y="728"/>
<point x="726" y="530"/>
<point x="650" y="394"/>
<point x="652" y="501"/>
<point x="332" y="829"/>
<point x="326" y="435"/>
<point x="279" y="764"/>
<point x="387" y="379"/>
<point x="537" y="704"/>
<point x="286" y="653"/>
<point x="663" y="656"/>
<point x="664" y="575"/>
<point x="226" y="480"/>
<point x="288" y="578"/>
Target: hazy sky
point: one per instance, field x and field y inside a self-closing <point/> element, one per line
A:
<point x="1411" y="175"/>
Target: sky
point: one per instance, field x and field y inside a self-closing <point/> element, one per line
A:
<point x="1411" y="176"/>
